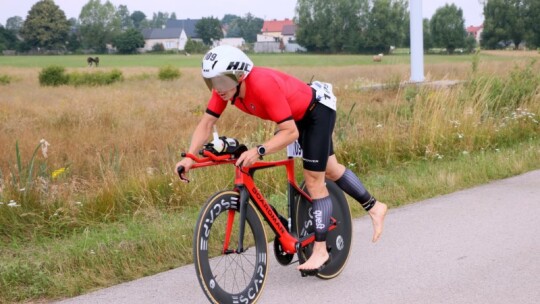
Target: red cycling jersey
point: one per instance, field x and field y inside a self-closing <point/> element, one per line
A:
<point x="270" y="95"/>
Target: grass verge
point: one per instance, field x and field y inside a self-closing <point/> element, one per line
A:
<point x="158" y="239"/>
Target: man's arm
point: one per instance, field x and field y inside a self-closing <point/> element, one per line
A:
<point x="199" y="138"/>
<point x="286" y="135"/>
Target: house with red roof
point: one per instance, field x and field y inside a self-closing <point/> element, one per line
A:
<point x="275" y="27"/>
<point x="277" y="36"/>
<point x="476" y="32"/>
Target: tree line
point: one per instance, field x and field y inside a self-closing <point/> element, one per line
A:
<point x="99" y="24"/>
<point x="338" y="26"/>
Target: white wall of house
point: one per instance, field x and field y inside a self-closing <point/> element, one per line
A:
<point x="168" y="44"/>
<point x="273" y="34"/>
<point x="182" y="41"/>
<point x="479" y="35"/>
<point x="265" y="38"/>
<point x="288" y="38"/>
<point x="236" y="42"/>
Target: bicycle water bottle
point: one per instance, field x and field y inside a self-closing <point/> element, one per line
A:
<point x="224" y="144"/>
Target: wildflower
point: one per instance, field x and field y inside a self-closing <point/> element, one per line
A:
<point x="379" y="126"/>
<point x="352" y="165"/>
<point x="150" y="171"/>
<point x="13" y="203"/>
<point x="44" y="146"/>
<point x="92" y="251"/>
<point x="455" y="123"/>
<point x="460" y="136"/>
<point x="58" y="172"/>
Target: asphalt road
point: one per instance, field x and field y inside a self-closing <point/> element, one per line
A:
<point x="480" y="245"/>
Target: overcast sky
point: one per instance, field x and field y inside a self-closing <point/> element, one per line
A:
<point x="195" y="9"/>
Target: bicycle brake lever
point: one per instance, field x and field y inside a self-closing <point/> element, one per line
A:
<point x="180" y="170"/>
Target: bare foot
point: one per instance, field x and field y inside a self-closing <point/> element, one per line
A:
<point x="377" y="213"/>
<point x="317" y="258"/>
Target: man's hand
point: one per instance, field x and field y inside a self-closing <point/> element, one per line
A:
<point x="186" y="163"/>
<point x="248" y="158"/>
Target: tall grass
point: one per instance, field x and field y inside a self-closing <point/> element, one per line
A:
<point x="107" y="192"/>
<point x="486" y="113"/>
<point x="112" y="150"/>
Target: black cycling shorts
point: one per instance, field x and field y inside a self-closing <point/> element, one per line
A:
<point x="316" y="128"/>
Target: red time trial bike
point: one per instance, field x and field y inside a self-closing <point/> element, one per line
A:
<point x="230" y="242"/>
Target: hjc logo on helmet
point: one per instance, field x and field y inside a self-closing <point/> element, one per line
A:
<point x="238" y="66"/>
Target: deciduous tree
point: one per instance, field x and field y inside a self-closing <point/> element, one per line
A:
<point x="125" y="18"/>
<point x="139" y="19"/>
<point x="506" y="21"/>
<point x="45" y="26"/>
<point x="8" y="40"/>
<point x="448" y="28"/>
<point x="99" y="24"/>
<point x="159" y="20"/>
<point x="386" y="25"/>
<point x="533" y="22"/>
<point x="248" y="27"/>
<point x="129" y="41"/>
<point x="14" y="23"/>
<point x="350" y="25"/>
<point x="209" y="29"/>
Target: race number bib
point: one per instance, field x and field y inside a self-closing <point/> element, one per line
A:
<point x="294" y="149"/>
<point x="324" y="94"/>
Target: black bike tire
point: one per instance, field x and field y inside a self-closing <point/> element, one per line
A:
<point x="202" y="233"/>
<point x="342" y="213"/>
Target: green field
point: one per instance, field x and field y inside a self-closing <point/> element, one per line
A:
<point x="179" y="60"/>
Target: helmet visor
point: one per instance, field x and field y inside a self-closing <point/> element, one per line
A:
<point x="221" y="83"/>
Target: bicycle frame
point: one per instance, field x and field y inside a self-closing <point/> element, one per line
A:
<point x="245" y="185"/>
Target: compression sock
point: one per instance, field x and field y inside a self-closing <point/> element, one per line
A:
<point x="322" y="211"/>
<point x="351" y="184"/>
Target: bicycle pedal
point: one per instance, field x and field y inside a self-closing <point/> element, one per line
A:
<point x="314" y="272"/>
<point x="311" y="272"/>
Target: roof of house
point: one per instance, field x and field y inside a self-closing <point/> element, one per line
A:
<point x="187" y="24"/>
<point x="289" y="30"/>
<point x="165" y="33"/>
<point x="275" y="25"/>
<point x="474" y="29"/>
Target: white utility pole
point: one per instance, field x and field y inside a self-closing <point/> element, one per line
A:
<point x="417" y="41"/>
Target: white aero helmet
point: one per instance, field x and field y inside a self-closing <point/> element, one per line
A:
<point x="224" y="67"/>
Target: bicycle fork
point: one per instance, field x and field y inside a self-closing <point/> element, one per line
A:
<point x="244" y="197"/>
<point x="242" y="207"/>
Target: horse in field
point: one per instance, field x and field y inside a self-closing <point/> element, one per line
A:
<point x="94" y="61"/>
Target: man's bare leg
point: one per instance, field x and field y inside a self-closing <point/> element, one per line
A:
<point x="377" y="214"/>
<point x="317" y="189"/>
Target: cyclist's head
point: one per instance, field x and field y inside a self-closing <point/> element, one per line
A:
<point x="224" y="67"/>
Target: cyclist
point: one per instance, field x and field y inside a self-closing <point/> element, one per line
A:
<point x="300" y="112"/>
